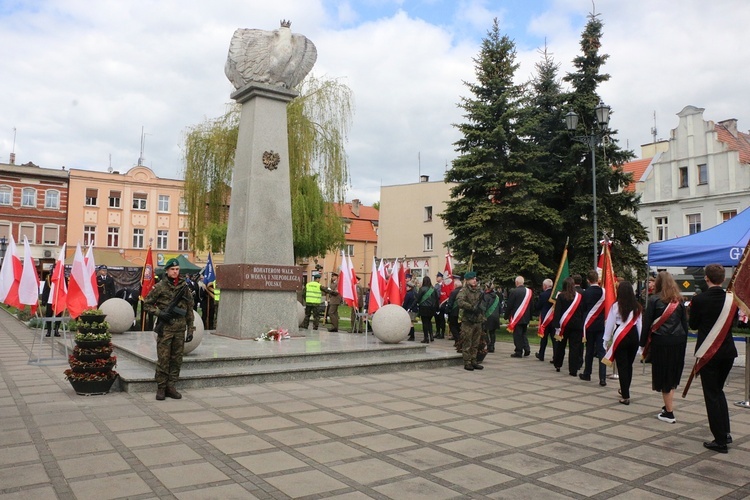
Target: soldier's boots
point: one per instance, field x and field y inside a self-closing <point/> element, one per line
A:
<point x="172" y="393"/>
<point x="469" y="366"/>
<point x="160" y="394"/>
<point x="476" y="366"/>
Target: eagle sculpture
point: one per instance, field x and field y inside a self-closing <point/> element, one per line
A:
<point x="272" y="57"/>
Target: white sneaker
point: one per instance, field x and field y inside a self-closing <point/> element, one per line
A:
<point x="666" y="417"/>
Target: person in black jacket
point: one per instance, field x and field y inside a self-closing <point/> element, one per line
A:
<point x="705" y="310"/>
<point x="572" y="330"/>
<point x="105" y="284"/>
<point x="410" y="304"/>
<point x="515" y="303"/>
<point x="595" y="331"/>
<point x="667" y="342"/>
<point x="427" y="301"/>
<point x="544" y="305"/>
<point x="451" y="308"/>
<point x="492" y="315"/>
<point x="49" y="310"/>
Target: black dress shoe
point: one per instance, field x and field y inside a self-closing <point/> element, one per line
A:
<point x="603" y="382"/>
<point x="48" y="334"/>
<point x="491" y="348"/>
<point x="527" y="353"/>
<point x="587" y="378"/>
<point x="729" y="438"/>
<point x="469" y="367"/>
<point x="57" y="334"/>
<point x="425" y="341"/>
<point x="536" y="355"/>
<point x="713" y="445"/>
<point x="516" y="355"/>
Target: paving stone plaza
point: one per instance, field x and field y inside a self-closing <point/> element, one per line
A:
<point x="515" y="430"/>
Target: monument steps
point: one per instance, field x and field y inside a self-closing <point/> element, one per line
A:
<point x="221" y="361"/>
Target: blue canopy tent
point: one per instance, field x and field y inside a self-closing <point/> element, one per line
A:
<point x="722" y="244"/>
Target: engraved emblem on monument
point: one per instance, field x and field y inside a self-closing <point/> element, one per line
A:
<point x="271" y="160"/>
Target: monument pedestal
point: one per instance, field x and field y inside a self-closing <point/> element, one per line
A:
<point x="259" y="236"/>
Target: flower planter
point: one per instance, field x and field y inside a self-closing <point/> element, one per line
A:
<point x="91" y="329"/>
<point x="92" y="387"/>
<point x="92" y="354"/>
<point x="88" y="344"/>
<point x="91" y="318"/>
<point x="93" y="369"/>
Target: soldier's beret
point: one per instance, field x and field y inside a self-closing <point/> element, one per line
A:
<point x="172" y="263"/>
<point x="470" y="275"/>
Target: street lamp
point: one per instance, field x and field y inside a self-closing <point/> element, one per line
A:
<point x="592" y="139"/>
<point x="3" y="246"/>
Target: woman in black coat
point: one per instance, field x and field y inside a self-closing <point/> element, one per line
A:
<point x="572" y="331"/>
<point x="427" y="301"/>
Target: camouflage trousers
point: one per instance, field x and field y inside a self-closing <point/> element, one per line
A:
<point x="169" y="349"/>
<point x="471" y="333"/>
<point x="314" y="311"/>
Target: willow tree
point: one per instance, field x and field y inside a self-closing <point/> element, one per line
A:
<point x="318" y="123"/>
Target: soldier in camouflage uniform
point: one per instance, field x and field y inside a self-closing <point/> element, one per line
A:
<point x="470" y="303"/>
<point x="176" y="321"/>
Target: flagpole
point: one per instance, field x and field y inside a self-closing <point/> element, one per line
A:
<point x="742" y="262"/>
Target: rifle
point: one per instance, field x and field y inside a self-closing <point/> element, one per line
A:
<point x="172" y="310"/>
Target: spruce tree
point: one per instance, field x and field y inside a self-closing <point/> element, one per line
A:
<point x="496" y="212"/>
<point x="616" y="208"/>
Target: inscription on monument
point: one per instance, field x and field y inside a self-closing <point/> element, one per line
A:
<point x="268" y="277"/>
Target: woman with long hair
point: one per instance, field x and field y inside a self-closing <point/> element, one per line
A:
<point x="665" y="325"/>
<point x="623" y="328"/>
<point x="568" y="325"/>
<point x="427" y="301"/>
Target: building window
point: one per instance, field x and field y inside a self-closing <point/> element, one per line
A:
<point x="662" y="228"/>
<point x="427" y="242"/>
<point x="113" y="237"/>
<point x="50" y="235"/>
<point x="52" y="199"/>
<point x="702" y="174"/>
<point x="163" y="203"/>
<point x="350" y="250"/>
<point x="728" y="214"/>
<point x="5" y="231"/>
<point x="137" y="238"/>
<point x="114" y="199"/>
<point x="183" y="208"/>
<point x="89" y="235"/>
<point x="161" y="239"/>
<point x="139" y="201"/>
<point x="683" y="177"/>
<point x="694" y="223"/>
<point x="28" y="197"/>
<point x="91" y="197"/>
<point x="428" y="214"/>
<point x="28" y="230"/>
<point x="346" y="227"/>
<point x="6" y="195"/>
<point x="182" y="241"/>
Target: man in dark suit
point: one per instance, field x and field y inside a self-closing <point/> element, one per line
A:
<point x="705" y="310"/>
<point x="544" y="305"/>
<point x="593" y="309"/>
<point x="519" y="312"/>
<point x="106" y="285"/>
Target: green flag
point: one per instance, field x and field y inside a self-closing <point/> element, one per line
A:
<point x="562" y="272"/>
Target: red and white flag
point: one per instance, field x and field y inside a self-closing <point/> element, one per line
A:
<point x="447" y="286"/>
<point x="608" y="281"/>
<point x="10" y="276"/>
<point x="148" y="280"/>
<point x="91" y="271"/>
<point x="393" y="290"/>
<point x="28" y="287"/>
<point x="355" y="281"/>
<point x="59" y="288"/>
<point x="376" y="298"/>
<point x="345" y="282"/>
<point x="80" y="293"/>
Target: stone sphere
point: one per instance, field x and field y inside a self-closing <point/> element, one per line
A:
<point x="197" y="335"/>
<point x="300" y="314"/>
<point x="391" y="324"/>
<point x="120" y="315"/>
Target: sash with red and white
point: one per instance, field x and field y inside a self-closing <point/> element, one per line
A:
<point x="545" y="321"/>
<point x="717" y="334"/>
<point x="567" y="315"/>
<point x="516" y="317"/>
<point x="620" y="333"/>
<point x="671" y="307"/>
<point x="594" y="312"/>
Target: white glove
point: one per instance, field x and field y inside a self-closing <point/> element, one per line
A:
<point x="639" y="353"/>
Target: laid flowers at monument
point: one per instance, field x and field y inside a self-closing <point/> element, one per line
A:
<point x="91" y="364"/>
<point x="277" y="334"/>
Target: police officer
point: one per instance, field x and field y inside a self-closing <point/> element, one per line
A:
<point x="105" y="284"/>
<point x="470" y="303"/>
<point x="313" y="298"/>
<point x="176" y="317"/>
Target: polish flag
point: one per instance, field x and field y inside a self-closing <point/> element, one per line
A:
<point x="608" y="282"/>
<point x="80" y="293"/>
<point x="354" y="280"/>
<point x="59" y="289"/>
<point x="91" y="272"/>
<point x="447" y="286"/>
<point x="392" y="288"/>
<point x="10" y="276"/>
<point x="402" y="281"/>
<point x="376" y="298"/>
<point x="28" y="287"/>
<point x="345" y="282"/>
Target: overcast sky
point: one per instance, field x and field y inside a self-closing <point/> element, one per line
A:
<point x="80" y="78"/>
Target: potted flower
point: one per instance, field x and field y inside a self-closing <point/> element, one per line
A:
<point x="91" y="364"/>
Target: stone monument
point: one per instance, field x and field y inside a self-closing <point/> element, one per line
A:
<point x="258" y="279"/>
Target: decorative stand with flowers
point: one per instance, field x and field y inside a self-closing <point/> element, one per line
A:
<point x="91" y="364"/>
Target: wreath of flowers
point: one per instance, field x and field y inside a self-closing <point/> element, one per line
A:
<point x="99" y="363"/>
<point x="89" y="377"/>
<point x="277" y="334"/>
